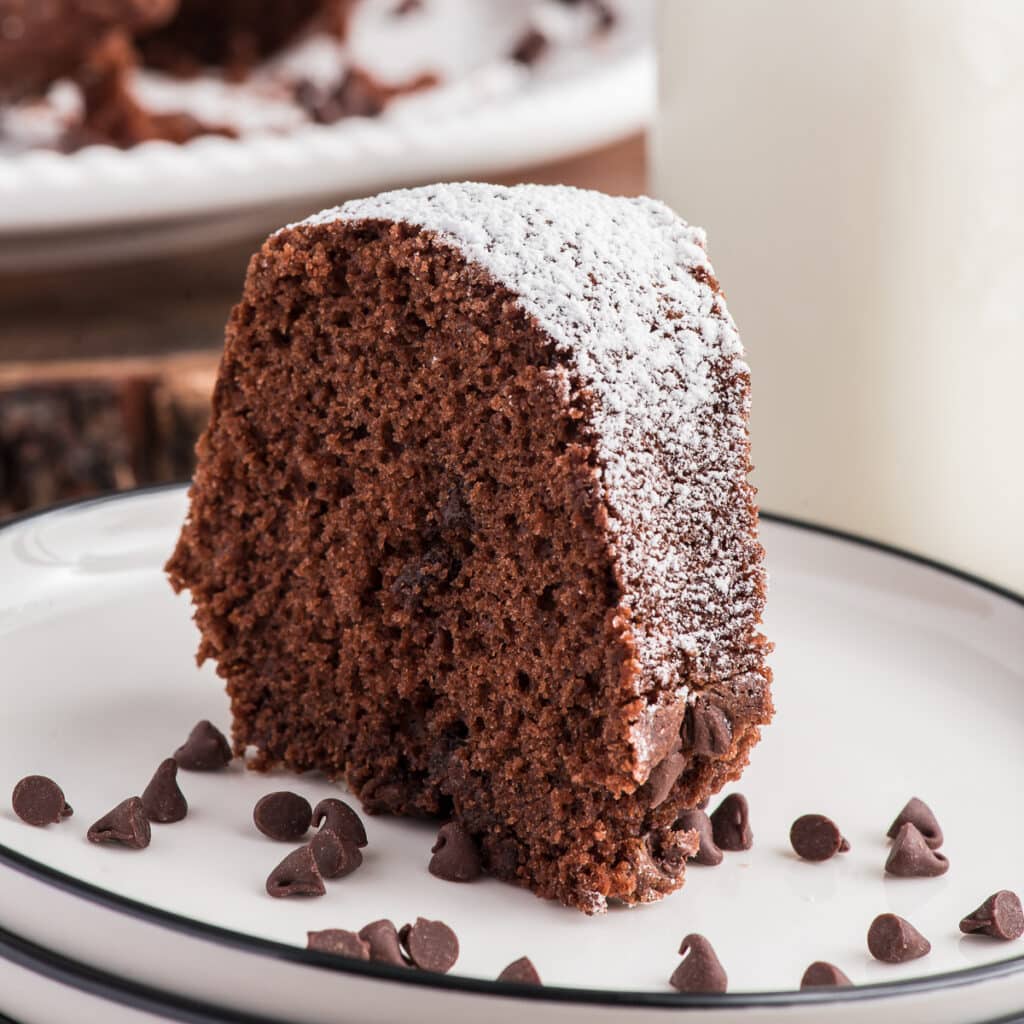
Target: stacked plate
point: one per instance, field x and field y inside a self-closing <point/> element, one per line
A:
<point x="893" y="678"/>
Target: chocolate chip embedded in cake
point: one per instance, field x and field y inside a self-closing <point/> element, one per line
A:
<point x="472" y="525"/>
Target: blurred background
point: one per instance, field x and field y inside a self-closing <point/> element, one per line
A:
<point x="144" y="156"/>
<point x="857" y="168"/>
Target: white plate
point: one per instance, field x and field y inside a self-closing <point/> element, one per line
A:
<point x="893" y="678"/>
<point x="105" y="203"/>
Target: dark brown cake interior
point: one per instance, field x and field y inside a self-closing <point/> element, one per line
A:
<point x="399" y="562"/>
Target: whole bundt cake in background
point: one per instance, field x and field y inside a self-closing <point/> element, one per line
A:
<point x="123" y="72"/>
<point x="472" y="529"/>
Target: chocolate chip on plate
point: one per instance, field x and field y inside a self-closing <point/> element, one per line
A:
<point x="815" y="837"/>
<point x="38" y="801"/>
<point x="334" y="857"/>
<point x="893" y="940"/>
<point x="920" y="815"/>
<point x="162" y="800"/>
<point x="697" y="821"/>
<point x="1000" y="916"/>
<point x="382" y="938"/>
<point x="531" y="47"/>
<point x="340" y="942"/>
<point x="430" y="945"/>
<point x="911" y="857"/>
<point x="296" y="875"/>
<point x="126" y="825"/>
<point x="283" y="815"/>
<point x="455" y="857"/>
<point x="700" y="969"/>
<point x="521" y="972"/>
<point x="205" y="750"/>
<point x="824" y="975"/>
<point x="340" y="819"/>
<point x="730" y="824"/>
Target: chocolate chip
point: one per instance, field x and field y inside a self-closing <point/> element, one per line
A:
<point x="334" y="857"/>
<point x="893" y="940"/>
<point x="382" y="938"/>
<point x="296" y="875"/>
<point x="700" y="970"/>
<point x="205" y="750"/>
<point x="708" y="852"/>
<point x="911" y="857"/>
<point x="455" y="855"/>
<point x="1000" y="916"/>
<point x="431" y="945"/>
<point x="815" y="837"/>
<point x="920" y="815"/>
<point x="824" y="975"/>
<point x="730" y="824"/>
<point x="283" y="815"/>
<point x="38" y="800"/>
<point x="530" y="48"/>
<point x="707" y="730"/>
<point x="340" y="819"/>
<point x="521" y="972"/>
<point x="126" y="825"/>
<point x="340" y="942"/>
<point x="664" y="775"/>
<point x="162" y="800"/>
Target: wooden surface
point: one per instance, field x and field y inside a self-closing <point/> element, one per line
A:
<point x="105" y="372"/>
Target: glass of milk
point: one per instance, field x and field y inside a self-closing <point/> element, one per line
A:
<point x="859" y="168"/>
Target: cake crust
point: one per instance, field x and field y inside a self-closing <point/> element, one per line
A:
<point x="472" y="529"/>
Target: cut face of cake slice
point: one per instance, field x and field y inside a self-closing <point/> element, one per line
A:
<point x="472" y="529"/>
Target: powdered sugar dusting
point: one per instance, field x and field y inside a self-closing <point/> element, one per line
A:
<point x="622" y="286"/>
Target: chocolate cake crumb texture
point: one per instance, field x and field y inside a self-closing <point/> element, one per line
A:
<point x="1000" y="917"/>
<point x="490" y="552"/>
<point x="822" y="974"/>
<point x="205" y="750"/>
<point x="39" y="801"/>
<point x="920" y="815"/>
<point x="815" y="837"/>
<point x="455" y="856"/>
<point x="730" y="824"/>
<point x="126" y="825"/>
<point x="339" y="818"/>
<point x="430" y="945"/>
<point x="296" y="875"/>
<point x="700" y="970"/>
<point x="599" y="274"/>
<point x="894" y="940"/>
<point x="162" y="799"/>
<point x="340" y="942"/>
<point x="912" y="857"/>
<point x="335" y="857"/>
<point x="382" y="938"/>
<point x="283" y="815"/>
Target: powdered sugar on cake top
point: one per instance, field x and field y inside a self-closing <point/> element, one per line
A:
<point x="621" y="286"/>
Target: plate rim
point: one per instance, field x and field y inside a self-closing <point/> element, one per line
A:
<point x="218" y="935"/>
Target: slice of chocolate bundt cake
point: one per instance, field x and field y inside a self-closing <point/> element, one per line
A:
<point x="472" y="527"/>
